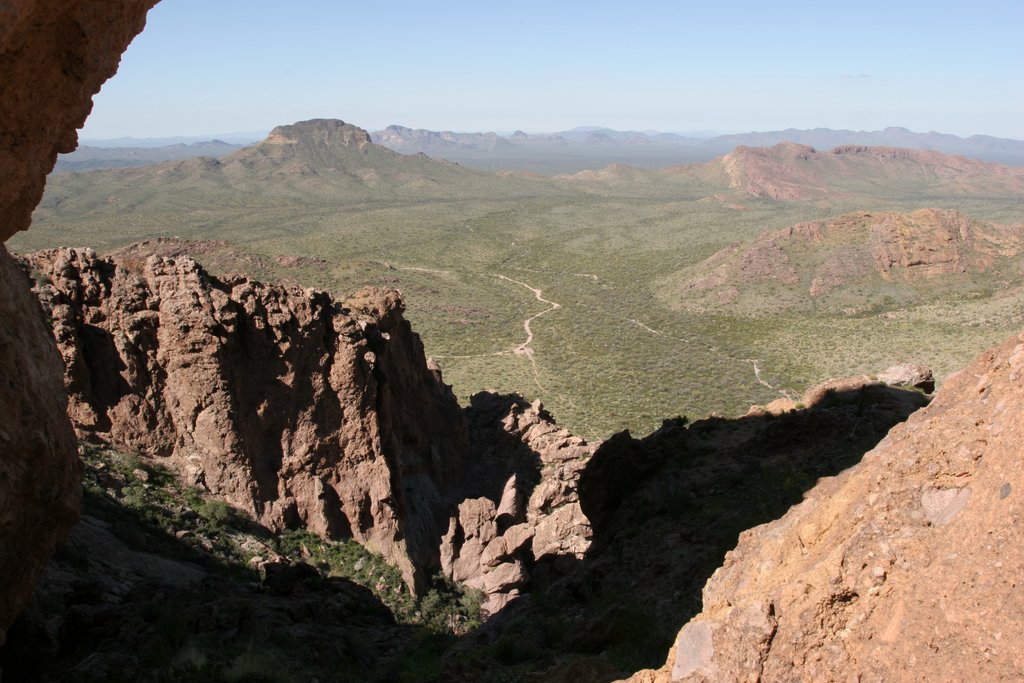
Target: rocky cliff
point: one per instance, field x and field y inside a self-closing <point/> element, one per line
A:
<point x="293" y="407"/>
<point x="54" y="55"/>
<point x="904" y="567"/>
<point x="39" y="472"/>
<point x="307" y="412"/>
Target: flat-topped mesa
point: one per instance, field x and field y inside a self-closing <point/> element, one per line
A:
<point x="328" y="132"/>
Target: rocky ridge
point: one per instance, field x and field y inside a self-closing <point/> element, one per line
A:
<point x="903" y="567"/>
<point x="306" y="412"/>
<point x="792" y="172"/>
<point x="819" y="262"/>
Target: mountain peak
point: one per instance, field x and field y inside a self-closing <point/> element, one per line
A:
<point x="329" y="132"/>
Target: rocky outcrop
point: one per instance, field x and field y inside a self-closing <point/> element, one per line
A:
<point x="296" y="408"/>
<point x="54" y="56"/>
<point x="903" y="376"/>
<point x="40" y="474"/>
<point x="793" y="172"/>
<point x="904" y="567"/>
<point x="306" y="412"/>
<point x="503" y="527"/>
<point x="906" y="375"/>
<point x="868" y="258"/>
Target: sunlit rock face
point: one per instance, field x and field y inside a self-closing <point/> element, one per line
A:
<point x="904" y="567"/>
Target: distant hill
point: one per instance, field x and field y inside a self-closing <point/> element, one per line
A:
<point x="87" y="158"/>
<point x="984" y="147"/>
<point x="321" y="159"/>
<point x="582" y="148"/>
<point x="591" y="147"/>
<point x="793" y="172"/>
<point x="856" y="262"/>
<point x="409" y="141"/>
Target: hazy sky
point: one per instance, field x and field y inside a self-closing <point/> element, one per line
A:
<point x="204" y="67"/>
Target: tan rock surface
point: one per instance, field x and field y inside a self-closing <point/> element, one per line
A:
<point x="494" y="540"/>
<point x="904" y="567"/>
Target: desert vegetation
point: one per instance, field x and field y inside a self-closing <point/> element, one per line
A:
<point x="629" y="342"/>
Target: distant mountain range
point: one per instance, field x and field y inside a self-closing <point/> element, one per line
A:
<point x="582" y="148"/>
<point x="88" y="158"/>
<point x="652" y="149"/>
<point x="334" y="160"/>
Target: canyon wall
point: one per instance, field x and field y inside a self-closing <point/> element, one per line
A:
<point x="54" y="55"/>
<point x="308" y="412"/>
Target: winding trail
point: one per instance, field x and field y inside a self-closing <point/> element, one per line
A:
<point x="650" y="329"/>
<point x="757" y="373"/>
<point x="525" y="348"/>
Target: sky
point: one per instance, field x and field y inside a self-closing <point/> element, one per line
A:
<point x="203" y="67"/>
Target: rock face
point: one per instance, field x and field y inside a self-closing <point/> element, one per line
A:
<point x="40" y="475"/>
<point x="54" y="56"/>
<point x="290" y="405"/>
<point x="306" y="412"/>
<point x="904" y="567"/>
<point x="533" y="514"/>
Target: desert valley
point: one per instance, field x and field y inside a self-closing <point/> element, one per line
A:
<point x="413" y="405"/>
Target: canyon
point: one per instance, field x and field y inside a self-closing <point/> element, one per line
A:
<point x="306" y="411"/>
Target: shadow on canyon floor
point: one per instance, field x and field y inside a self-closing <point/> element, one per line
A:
<point x="665" y="510"/>
<point x="126" y="600"/>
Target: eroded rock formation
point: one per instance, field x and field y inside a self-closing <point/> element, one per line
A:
<point x="905" y="567"/>
<point x="291" y="406"/>
<point x="54" y="56"/>
<point x="307" y="412"/>
<point x="502" y="528"/>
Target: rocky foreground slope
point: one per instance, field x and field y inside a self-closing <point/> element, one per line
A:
<point x="307" y="412"/>
<point x="905" y="567"/>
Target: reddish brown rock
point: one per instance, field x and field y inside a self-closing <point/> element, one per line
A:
<point x="904" y="567"/>
<point x="293" y="407"/>
<point x="54" y="56"/>
<point x="40" y="474"/>
<point x="494" y="540"/>
<point x="824" y="263"/>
